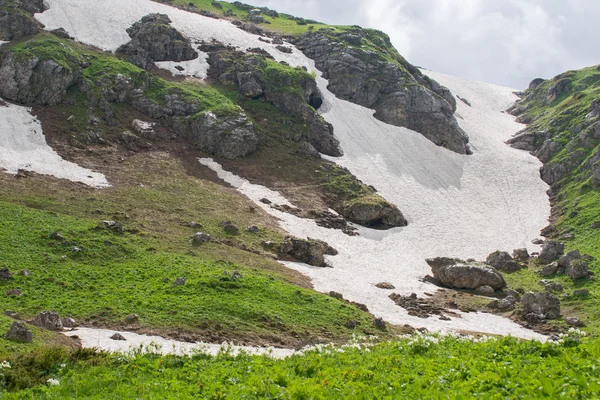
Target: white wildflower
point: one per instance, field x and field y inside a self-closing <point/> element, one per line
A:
<point x="53" y="382"/>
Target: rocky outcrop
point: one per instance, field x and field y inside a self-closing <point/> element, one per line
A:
<point x="227" y="137"/>
<point x="551" y="251"/>
<point x="458" y="274"/>
<point x="309" y="251"/>
<point x="35" y="81"/>
<point x="382" y="80"/>
<point x="291" y="90"/>
<point x="16" y="18"/>
<point x="48" y="320"/>
<point x="154" y="39"/>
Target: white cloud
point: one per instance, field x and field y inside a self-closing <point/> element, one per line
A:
<point x="508" y="42"/>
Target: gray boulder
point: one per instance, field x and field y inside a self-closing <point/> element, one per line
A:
<point x="502" y="261"/>
<point x="521" y="255"/>
<point x="19" y="333"/>
<point x="68" y="322"/>
<point x="308" y="251"/>
<point x="573" y="321"/>
<point x="565" y="261"/>
<point x="385" y="285"/>
<point x="48" y="320"/>
<point x="550" y="269"/>
<point x="578" y="269"/>
<point x="458" y="274"/>
<point x="201" y="237"/>
<point x="540" y="306"/>
<point x="229" y="136"/>
<point x="485" y="290"/>
<point x="551" y="251"/>
<point x="380" y="214"/>
<point x="154" y="39"/>
<point x="5" y="274"/>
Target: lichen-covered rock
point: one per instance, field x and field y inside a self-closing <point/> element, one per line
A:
<point x="309" y="251"/>
<point x="540" y="306"/>
<point x="35" y="81"/>
<point x="229" y="136"/>
<point x="459" y="274"/>
<point x="396" y="90"/>
<point x="154" y="39"/>
<point x="578" y="269"/>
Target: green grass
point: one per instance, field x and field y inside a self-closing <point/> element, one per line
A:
<point x="411" y="368"/>
<point x="113" y="275"/>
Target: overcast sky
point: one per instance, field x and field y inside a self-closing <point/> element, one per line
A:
<point x="508" y="42"/>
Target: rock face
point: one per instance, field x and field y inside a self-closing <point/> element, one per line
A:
<point x="291" y="90"/>
<point x="16" y="18"/>
<point x="383" y="214"/>
<point x="458" y="274"/>
<point x="34" y="81"/>
<point x="153" y="39"/>
<point x="540" y="306"/>
<point x="48" y="320"/>
<point x="308" y="251"/>
<point x="229" y="137"/>
<point x="384" y="81"/>
<point x="19" y="333"/>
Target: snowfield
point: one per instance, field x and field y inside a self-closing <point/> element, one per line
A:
<point x="458" y="206"/>
<point x="23" y="146"/>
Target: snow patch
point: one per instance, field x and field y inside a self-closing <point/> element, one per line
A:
<point x="100" y="338"/>
<point x="23" y="146"/>
<point x="197" y="68"/>
<point x="2" y="42"/>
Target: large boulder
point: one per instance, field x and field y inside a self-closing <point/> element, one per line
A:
<point x="384" y="81"/>
<point x="230" y="136"/>
<point x="458" y="274"/>
<point x="154" y="39"/>
<point x="375" y="214"/>
<point x="19" y="333"/>
<point x="308" y="251"/>
<point x="578" y="269"/>
<point x="49" y="320"/>
<point x="540" y="306"/>
<point x="551" y="251"/>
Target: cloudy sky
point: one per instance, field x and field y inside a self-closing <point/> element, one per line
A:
<point x="508" y="42"/>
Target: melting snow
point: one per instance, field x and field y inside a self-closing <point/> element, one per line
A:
<point x="23" y="146"/>
<point x="460" y="206"/>
<point x="197" y="68"/>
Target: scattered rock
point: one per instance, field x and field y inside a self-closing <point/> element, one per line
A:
<point x="114" y="226"/>
<point x="231" y="229"/>
<point x="265" y="201"/>
<point x="336" y="295"/>
<point x="596" y="225"/>
<point x="377" y="214"/>
<point x="68" y="322"/>
<point x="180" y="282"/>
<point x="236" y="275"/>
<point x="581" y="292"/>
<point x="132" y="318"/>
<point x="540" y="306"/>
<point x="308" y="251"/>
<point x="458" y="274"/>
<point x="284" y="49"/>
<point x="19" y="333"/>
<point x="565" y="261"/>
<point x="551" y="251"/>
<point x="550" y="269"/>
<point x="143" y="128"/>
<point x="521" y="255"/>
<point x="422" y="308"/>
<point x="379" y="323"/>
<point x="360" y="306"/>
<point x="551" y="286"/>
<point x="578" y="269"/>
<point x="14" y="292"/>
<point x="48" y="320"/>
<point x="385" y="285"/>
<point x="193" y="224"/>
<point x="486" y="290"/>
<point x="5" y="274"/>
<point x="537" y="241"/>
<point x="573" y="321"/>
<point x="25" y="272"/>
<point x="253" y="229"/>
<point x="118" y="336"/>
<point x="12" y="314"/>
<point x="351" y="324"/>
<point x="57" y="236"/>
<point x="201" y="237"/>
